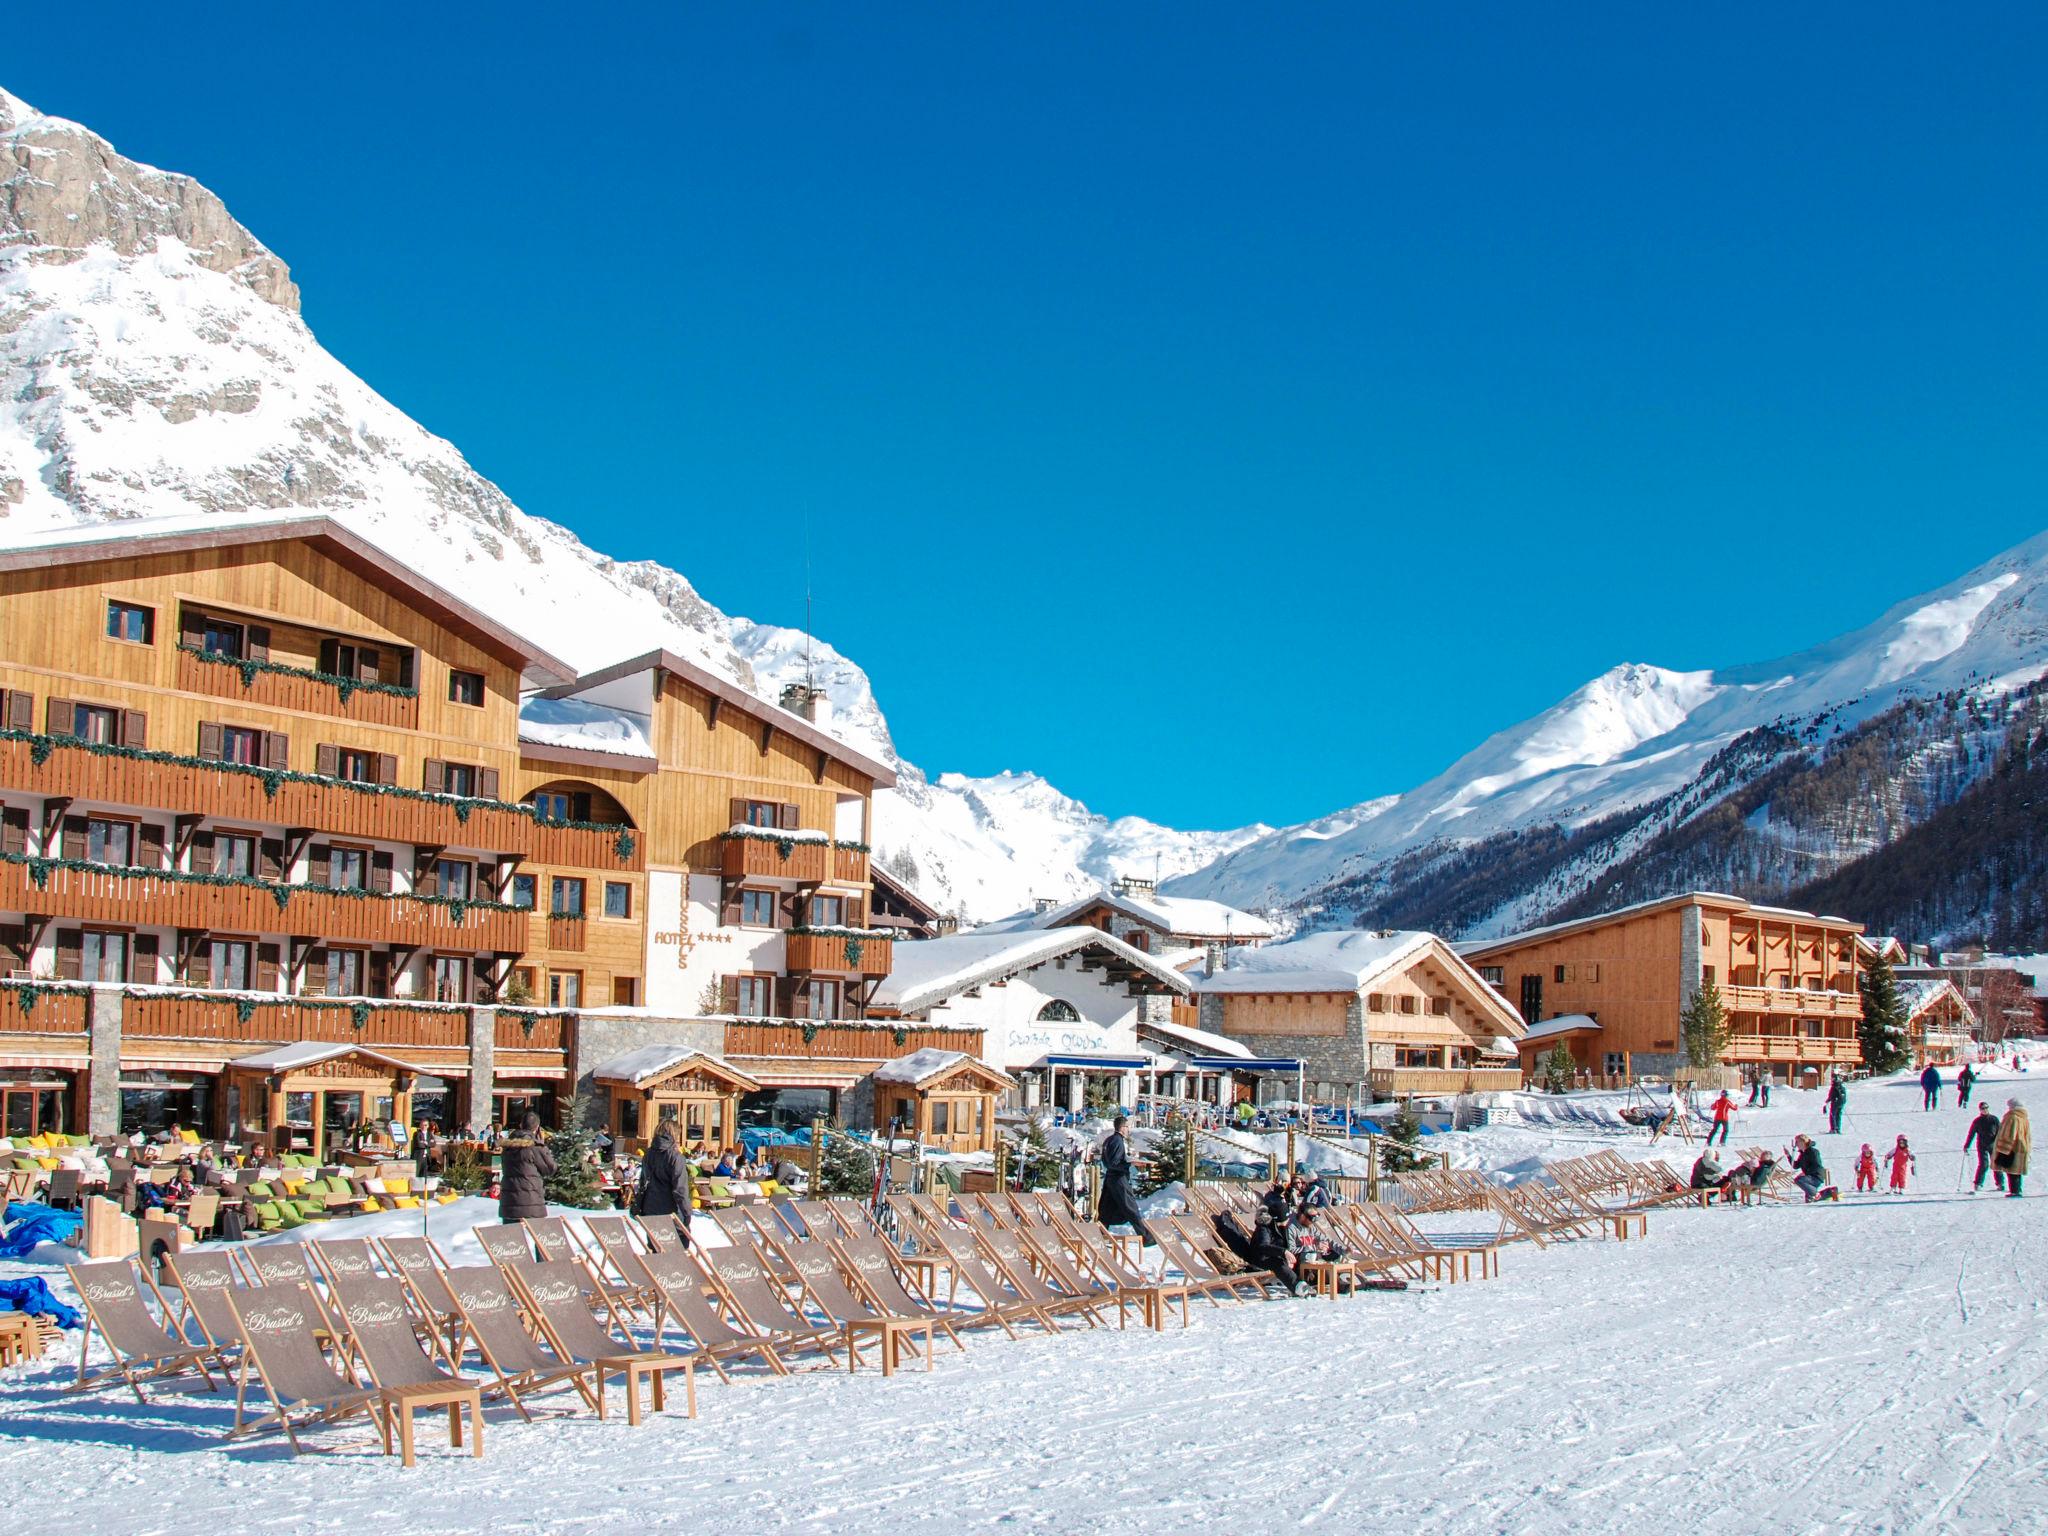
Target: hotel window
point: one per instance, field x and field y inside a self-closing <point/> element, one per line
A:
<point x="234" y="854"/>
<point x="217" y="637"/>
<point x="346" y="969"/>
<point x="339" y="658"/>
<point x="347" y="869"/>
<point x="754" y="997"/>
<point x="98" y="725"/>
<point x="757" y="909"/>
<point x="827" y="911"/>
<point x="618" y="898"/>
<point x="239" y="745"/>
<point x="455" y="878"/>
<point x="567" y="897"/>
<point x="1411" y="1004"/>
<point x="109" y="842"/>
<point x="461" y="779"/>
<point x="230" y="964"/>
<point x="940" y="1116"/>
<point x="625" y="991"/>
<point x="355" y="766"/>
<point x="1706" y="975"/>
<point x="450" y="979"/>
<point x="103" y="956"/>
<point x="131" y="622"/>
<point x="817" y="999"/>
<point x="466" y="688"/>
<point x="565" y="989"/>
<point x="761" y="813"/>
<point x="522" y="891"/>
<point x="1492" y="975"/>
<point x="559" y="805"/>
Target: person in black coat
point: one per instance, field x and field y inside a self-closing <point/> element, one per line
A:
<point x="1930" y="1087"/>
<point x="667" y="1187"/>
<point x="1119" y="1202"/>
<point x="1964" y="1084"/>
<point x="1837" y="1102"/>
<point x="1982" y="1133"/>
<point x="523" y="1169"/>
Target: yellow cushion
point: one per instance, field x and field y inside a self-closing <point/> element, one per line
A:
<point x="49" y="1162"/>
<point x="446" y="1199"/>
<point x="371" y="1205"/>
<point x="770" y="1187"/>
<point x="406" y="1203"/>
<point x="191" y="1138"/>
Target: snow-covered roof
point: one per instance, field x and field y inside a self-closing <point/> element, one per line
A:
<point x="1473" y="947"/>
<point x="1563" y="1024"/>
<point x="1185" y="917"/>
<point x="1922" y="993"/>
<point x="1198" y="1041"/>
<point x="649" y="1062"/>
<point x="1343" y="961"/>
<point x="290" y="1058"/>
<point x="586" y="726"/>
<point x="922" y="1066"/>
<point x="930" y="971"/>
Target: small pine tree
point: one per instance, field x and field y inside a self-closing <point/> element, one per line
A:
<point x="1560" y="1071"/>
<point x="1038" y="1166"/>
<point x="1401" y="1148"/>
<point x="467" y="1171"/>
<point x="574" y="1181"/>
<point x="1883" y="1029"/>
<point x="1703" y="1026"/>
<point x="1167" y="1162"/>
<point x="846" y="1166"/>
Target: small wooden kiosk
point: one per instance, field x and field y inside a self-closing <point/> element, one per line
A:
<point x="700" y="1092"/>
<point x="946" y="1099"/>
<point x="303" y="1094"/>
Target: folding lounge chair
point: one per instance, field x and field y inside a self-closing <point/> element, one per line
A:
<point x="1048" y="1253"/>
<point x="555" y="1291"/>
<point x="1153" y="1294"/>
<point x="615" y="1263"/>
<point x="1007" y="1251"/>
<point x="283" y="1263"/>
<point x="507" y="1245"/>
<point x="551" y="1238"/>
<point x="854" y="1312"/>
<point x="344" y="1257"/>
<point x="741" y="1277"/>
<point x="481" y="1296"/>
<point x="144" y="1348"/>
<point x="679" y="1284"/>
<point x="1185" y="1251"/>
<point x="878" y="1271"/>
<point x="281" y="1347"/>
<point x="417" y="1264"/>
<point x="382" y="1335"/>
<point x="1001" y="1303"/>
<point x="204" y="1280"/>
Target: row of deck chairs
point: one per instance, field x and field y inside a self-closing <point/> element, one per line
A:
<point x="1378" y="1238"/>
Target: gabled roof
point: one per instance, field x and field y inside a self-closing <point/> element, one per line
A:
<point x="1474" y="949"/>
<point x="1922" y="993"/>
<point x="220" y="530"/>
<point x="927" y="1065"/>
<point x="700" y="676"/>
<point x="1185" y="917"/>
<point x="1557" y="1028"/>
<point x="1201" y="1042"/>
<point x="1349" y="961"/>
<point x="931" y="971"/>
<point x="650" y="1063"/>
<point x="292" y="1058"/>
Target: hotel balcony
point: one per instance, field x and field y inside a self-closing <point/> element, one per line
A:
<point x="1392" y="1082"/>
<point x="831" y="954"/>
<point x="807" y="861"/>
<point x="843" y="1041"/>
<point x="1792" y="1001"/>
<point x="301" y="692"/>
<point x="1826" y="1051"/>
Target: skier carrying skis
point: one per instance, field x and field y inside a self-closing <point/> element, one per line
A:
<point x="1901" y="1159"/>
<point x="1866" y="1170"/>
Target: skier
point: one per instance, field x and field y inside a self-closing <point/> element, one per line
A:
<point x="1866" y="1171"/>
<point x="2009" y="1151"/>
<point x="1118" y="1203"/>
<point x="1756" y="1083"/>
<point x="1982" y="1133"/>
<point x="1930" y="1087"/>
<point x="1722" y="1109"/>
<point x="1964" y="1084"/>
<point x="1901" y="1159"/>
<point x="1837" y="1102"/>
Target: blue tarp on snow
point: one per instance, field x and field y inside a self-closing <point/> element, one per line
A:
<point x="31" y="1295"/>
<point x="28" y="1224"/>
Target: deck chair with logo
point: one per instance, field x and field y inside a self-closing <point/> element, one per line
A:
<point x="876" y="1268"/>
<point x="416" y="1264"/>
<point x="482" y="1298"/>
<point x="1000" y="1302"/>
<point x="679" y="1284"/>
<point x="551" y="1237"/>
<point x="1154" y="1294"/>
<point x="817" y="1267"/>
<point x="507" y="1245"/>
<point x="1186" y="1249"/>
<point x="555" y="1292"/>
<point x="143" y="1347"/>
<point x="615" y="1263"/>
<point x="383" y="1336"/>
<point x="204" y="1280"/>
<point x="763" y="1308"/>
<point x="281" y="1326"/>
<point x="1056" y="1291"/>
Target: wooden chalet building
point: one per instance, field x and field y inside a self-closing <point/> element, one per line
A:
<point x="1179" y="930"/>
<point x="1941" y="1028"/>
<point x="1614" y="986"/>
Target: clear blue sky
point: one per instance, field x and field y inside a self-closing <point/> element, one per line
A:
<point x="1230" y="412"/>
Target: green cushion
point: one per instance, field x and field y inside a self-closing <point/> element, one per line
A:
<point x="267" y="1215"/>
<point x="261" y="1191"/>
<point x="81" y="1141"/>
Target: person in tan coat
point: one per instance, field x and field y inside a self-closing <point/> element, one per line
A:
<point x="2009" y="1151"/>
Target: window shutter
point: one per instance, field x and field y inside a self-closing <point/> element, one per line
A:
<point x="435" y="780"/>
<point x="316" y="863"/>
<point x="199" y="964"/>
<point x="14" y="830"/>
<point x="729" y="994"/>
<point x="270" y="851"/>
<point x="327" y="760"/>
<point x="14" y="946"/>
<point x="426" y="880"/>
<point x="192" y="629"/>
<point x="313" y="980"/>
<point x="366" y="664"/>
<point x="330" y="657"/>
<point x="202" y="853"/>
<point x="729" y="909"/>
<point x="70" y="943"/>
<point x="152" y="837"/>
<point x="380" y="872"/>
<point x="791" y="815"/>
<point x="74" y="837"/>
<point x="257" y="647"/>
<point x="787" y="905"/>
<point x="21" y="710"/>
<point x="276" y="749"/>
<point x="380" y="973"/>
<point x="62" y="719"/>
<point x="853" y="912"/>
<point x="210" y="740"/>
<point x="134" y="728"/>
<point x="266" y="967"/>
<point x="387" y="768"/>
<point x="739" y="811"/>
<point x="142" y="959"/>
<point x="785" y="998"/>
<point x="487" y="783"/>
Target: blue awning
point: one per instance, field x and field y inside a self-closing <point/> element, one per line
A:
<point x="1245" y="1063"/>
<point x="1098" y="1063"/>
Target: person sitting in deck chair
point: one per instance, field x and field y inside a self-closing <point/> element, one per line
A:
<point x="1707" y="1174"/>
<point x="1304" y="1244"/>
<point x="1655" y="1118"/>
<point x="1809" y="1173"/>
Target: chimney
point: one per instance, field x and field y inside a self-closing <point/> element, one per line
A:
<point x="1132" y="885"/>
<point x="1041" y="904"/>
<point x="808" y="701"/>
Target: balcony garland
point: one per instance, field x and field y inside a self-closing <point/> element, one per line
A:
<point x="343" y="686"/>
<point x="41" y="746"/>
<point x="785" y="841"/>
<point x="27" y="994"/>
<point x="856" y="938"/>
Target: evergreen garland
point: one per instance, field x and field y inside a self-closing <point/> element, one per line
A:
<point x="249" y="667"/>
<point x="457" y="906"/>
<point x="28" y="993"/>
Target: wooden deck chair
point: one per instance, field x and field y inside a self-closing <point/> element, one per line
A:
<point x="1462" y="1247"/>
<point x="556" y="1292"/>
<point x="143" y="1347"/>
<point x="1001" y="1302"/>
<point x="551" y="1238"/>
<point x="481" y="1296"/>
<point x="816" y="1218"/>
<point x="615" y="1262"/>
<point x="1049" y="1254"/>
<point x="281" y="1327"/>
<point x="339" y="1256"/>
<point x="276" y="1263"/>
<point x="738" y="1226"/>
<point x="203" y="1279"/>
<point x="507" y="1245"/>
<point x="417" y="1264"/>
<point x="855" y="1215"/>
<point x="1528" y="1213"/>
<point x="1154" y="1293"/>
<point x="1594" y="1190"/>
<point x="1018" y="1263"/>
<point x="679" y="1283"/>
<point x="382" y="1334"/>
<point x="878" y="1270"/>
<point x="1187" y="1252"/>
<point x="741" y="1278"/>
<point x="817" y="1266"/>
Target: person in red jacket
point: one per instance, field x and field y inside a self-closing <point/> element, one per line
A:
<point x="1901" y="1159"/>
<point x="1866" y="1170"/>
<point x="1723" y="1110"/>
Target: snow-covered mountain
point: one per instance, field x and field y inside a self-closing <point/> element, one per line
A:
<point x="154" y="363"/>
<point x="1639" y="738"/>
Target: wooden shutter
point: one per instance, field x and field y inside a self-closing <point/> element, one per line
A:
<point x="327" y="760"/>
<point x="270" y="858"/>
<point x="192" y="629"/>
<point x="330" y="657"/>
<point x="366" y="665"/>
<point x="74" y="837"/>
<point x="152" y="839"/>
<point x="202" y="853"/>
<point x="313" y="979"/>
<point x="387" y="768"/>
<point x="426" y="880"/>
<point x="739" y="811"/>
<point x="14" y="946"/>
<point x="61" y="718"/>
<point x="380" y="872"/>
<point x="21" y="710"/>
<point x="435" y="778"/>
<point x="728" y="994"/>
<point x="788" y="904"/>
<point x="729" y="910"/>
<point x="256" y="644"/>
<point x="785" y="998"/>
<point x="316" y="863"/>
<point x="142" y="959"/>
<point x="791" y="817"/>
<point x="199" y="962"/>
<point x="853" y="913"/>
<point x="380" y="973"/>
<point x="276" y="749"/>
<point x="210" y="740"/>
<point x="487" y="783"/>
<point x="266" y="967"/>
<point x="134" y="728"/>
<point x="14" y="829"/>
<point x="70" y="943"/>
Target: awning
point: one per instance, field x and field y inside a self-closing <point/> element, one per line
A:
<point x="1241" y="1064"/>
<point x="1089" y="1062"/>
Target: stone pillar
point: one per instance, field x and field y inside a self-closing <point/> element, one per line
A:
<point x="483" y="1064"/>
<point x="103" y="1073"/>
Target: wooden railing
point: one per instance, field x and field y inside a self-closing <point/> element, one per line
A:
<point x="1792" y="1048"/>
<point x="550" y="1031"/>
<point x="808" y="862"/>
<point x="300" y="695"/>
<point x="1388" y="1082"/>
<point x="139" y="896"/>
<point x="236" y="795"/>
<point x="52" y="1011"/>
<point x="289" y="1021"/>
<point x="843" y="1042"/>
<point x="566" y="933"/>
<point x="809" y="952"/>
<point x="1791" y="1000"/>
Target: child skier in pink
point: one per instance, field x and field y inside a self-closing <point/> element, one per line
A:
<point x="1866" y="1170"/>
<point x="1901" y="1159"/>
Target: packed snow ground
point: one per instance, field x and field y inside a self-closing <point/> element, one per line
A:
<point x="1876" y="1366"/>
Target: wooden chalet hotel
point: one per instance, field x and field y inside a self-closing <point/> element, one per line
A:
<point x="295" y="839"/>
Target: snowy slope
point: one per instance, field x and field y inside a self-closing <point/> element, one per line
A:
<point x="154" y="363"/>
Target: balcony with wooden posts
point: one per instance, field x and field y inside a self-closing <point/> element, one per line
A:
<point x="806" y="859"/>
<point x="41" y="1008"/>
<point x="297" y="689"/>
<point x="1795" y="1002"/>
<point x="1825" y="1050"/>
<point x="232" y="792"/>
<point x="377" y="1023"/>
<point x="166" y="898"/>
<point x="1393" y="1082"/>
<point x="838" y="954"/>
<point x="841" y="1041"/>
